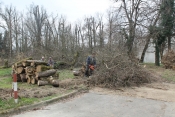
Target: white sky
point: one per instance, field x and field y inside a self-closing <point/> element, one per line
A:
<point x="72" y="9"/>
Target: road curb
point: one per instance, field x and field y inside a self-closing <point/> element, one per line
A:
<point x="42" y="104"/>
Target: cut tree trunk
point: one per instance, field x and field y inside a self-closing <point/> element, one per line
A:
<point x="24" y="63"/>
<point x="18" y="78"/>
<point x="23" y="77"/>
<point x="19" y="70"/>
<point x="46" y="73"/>
<point x="30" y="70"/>
<point x="42" y="82"/>
<point x="37" y="62"/>
<point x="28" y="79"/>
<point x="18" y="65"/>
<point x="53" y="82"/>
<point x="40" y="68"/>
<point x="33" y="80"/>
<point x="76" y="73"/>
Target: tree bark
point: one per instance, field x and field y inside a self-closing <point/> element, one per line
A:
<point x="20" y="70"/>
<point x="40" y="68"/>
<point x="46" y="73"/>
<point x="42" y="82"/>
<point x="23" y="77"/>
<point x="157" y="57"/>
<point x="144" y="50"/>
<point x="169" y="43"/>
<point x="53" y="82"/>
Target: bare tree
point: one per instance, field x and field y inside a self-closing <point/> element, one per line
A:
<point x="35" y="21"/>
<point x="130" y="14"/>
<point x="7" y="16"/>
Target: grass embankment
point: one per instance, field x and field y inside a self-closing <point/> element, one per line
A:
<point x="167" y="74"/>
<point x="6" y="84"/>
<point x="5" y="72"/>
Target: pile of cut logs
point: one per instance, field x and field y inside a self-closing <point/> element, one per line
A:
<point x="35" y="72"/>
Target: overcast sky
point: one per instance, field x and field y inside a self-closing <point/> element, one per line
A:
<point x="72" y="9"/>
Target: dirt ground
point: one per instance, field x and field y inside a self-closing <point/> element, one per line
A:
<point x="160" y="90"/>
<point x="156" y="91"/>
<point x="33" y="91"/>
<point x="37" y="92"/>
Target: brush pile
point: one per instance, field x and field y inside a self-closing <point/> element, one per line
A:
<point x="119" y="70"/>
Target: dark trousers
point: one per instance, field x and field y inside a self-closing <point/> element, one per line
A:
<point x="88" y="71"/>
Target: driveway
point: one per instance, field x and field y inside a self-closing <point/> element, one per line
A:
<point x="99" y="104"/>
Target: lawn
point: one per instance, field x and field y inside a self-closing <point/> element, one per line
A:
<point x="65" y="74"/>
<point x="167" y="74"/>
<point x="5" y="72"/>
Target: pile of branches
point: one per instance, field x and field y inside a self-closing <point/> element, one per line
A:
<point x="168" y="60"/>
<point x="119" y="70"/>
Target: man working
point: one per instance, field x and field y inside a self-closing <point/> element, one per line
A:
<point x="42" y="59"/>
<point x="51" y="62"/>
<point x="90" y="65"/>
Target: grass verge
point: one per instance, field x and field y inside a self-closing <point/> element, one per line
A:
<point x="167" y="74"/>
<point x="9" y="104"/>
<point x="65" y="74"/>
<point x="5" y="72"/>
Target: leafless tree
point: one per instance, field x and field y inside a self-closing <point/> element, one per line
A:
<point x="36" y="19"/>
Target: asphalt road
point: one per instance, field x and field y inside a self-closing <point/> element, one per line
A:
<point x="94" y="104"/>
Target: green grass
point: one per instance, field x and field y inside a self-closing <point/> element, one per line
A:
<point x="65" y="74"/>
<point x="9" y="104"/>
<point x="167" y="74"/>
<point x="53" y="96"/>
<point x="6" y="83"/>
<point x="5" y="72"/>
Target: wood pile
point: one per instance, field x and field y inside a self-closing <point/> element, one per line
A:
<point x="168" y="60"/>
<point x="35" y="72"/>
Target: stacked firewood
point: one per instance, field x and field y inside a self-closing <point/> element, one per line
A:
<point x="35" y="72"/>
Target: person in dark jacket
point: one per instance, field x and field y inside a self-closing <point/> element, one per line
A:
<point x="90" y="65"/>
<point x="51" y="62"/>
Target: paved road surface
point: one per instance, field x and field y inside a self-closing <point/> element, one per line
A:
<point x="94" y="104"/>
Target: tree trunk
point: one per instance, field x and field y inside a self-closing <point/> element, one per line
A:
<point x="30" y="70"/>
<point x="33" y="80"/>
<point x="19" y="70"/>
<point x="40" y="68"/>
<point x="157" y="57"/>
<point x="46" y="73"/>
<point x="37" y="62"/>
<point x="28" y="79"/>
<point x="42" y="83"/>
<point x="169" y="43"/>
<point x="23" y="78"/>
<point x="144" y="50"/>
<point x="52" y="81"/>
<point x="18" y="78"/>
